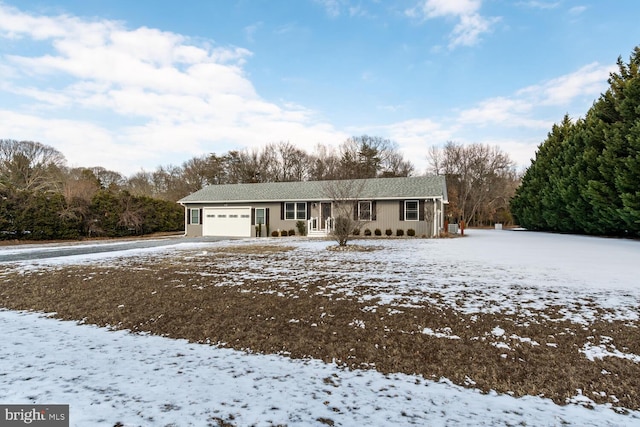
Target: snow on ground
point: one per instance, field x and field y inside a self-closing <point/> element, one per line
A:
<point x="110" y="377"/>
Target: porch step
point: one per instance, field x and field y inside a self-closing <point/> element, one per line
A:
<point x="317" y="233"/>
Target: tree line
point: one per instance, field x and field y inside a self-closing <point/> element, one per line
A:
<point x="585" y="177"/>
<point x="42" y="198"/>
<point x="357" y="157"/>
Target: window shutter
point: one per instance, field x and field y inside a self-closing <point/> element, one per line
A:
<point x="421" y="211"/>
<point x="266" y="216"/>
<point x="355" y="211"/>
<point x="401" y="210"/>
<point x="373" y="211"/>
<point x="188" y="216"/>
<point x="308" y="211"/>
<point x="253" y="216"/>
<point x="282" y="210"/>
<point x="200" y="216"/>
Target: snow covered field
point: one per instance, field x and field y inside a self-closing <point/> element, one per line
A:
<point x="112" y="377"/>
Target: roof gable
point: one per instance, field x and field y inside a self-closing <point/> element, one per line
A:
<point x="375" y="189"/>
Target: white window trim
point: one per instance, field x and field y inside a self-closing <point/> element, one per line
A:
<point x="264" y="216"/>
<point x="360" y="213"/>
<point x="295" y="211"/>
<point x="417" y="210"/>
<point x="197" y="216"/>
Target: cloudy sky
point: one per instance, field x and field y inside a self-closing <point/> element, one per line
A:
<point x="131" y="85"/>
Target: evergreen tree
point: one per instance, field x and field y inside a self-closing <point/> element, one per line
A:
<point x="586" y="176"/>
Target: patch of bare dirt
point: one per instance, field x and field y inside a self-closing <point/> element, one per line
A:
<point x="191" y="298"/>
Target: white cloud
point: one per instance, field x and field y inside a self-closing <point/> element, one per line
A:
<point x="439" y="8"/>
<point x="251" y="30"/>
<point x="511" y="122"/>
<point x="468" y="31"/>
<point x="332" y="7"/>
<point x="577" y="10"/>
<point x="540" y="4"/>
<point x="137" y="96"/>
<point x="587" y="82"/>
<point x="471" y="25"/>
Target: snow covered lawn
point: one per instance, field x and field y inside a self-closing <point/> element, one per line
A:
<point x="498" y="310"/>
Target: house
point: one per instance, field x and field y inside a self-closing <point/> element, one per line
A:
<point x="243" y="210"/>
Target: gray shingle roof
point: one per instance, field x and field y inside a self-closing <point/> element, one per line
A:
<point x="418" y="187"/>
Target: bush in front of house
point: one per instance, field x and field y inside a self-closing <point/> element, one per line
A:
<point x="399" y="232"/>
<point x="356" y="232"/>
<point x="388" y="232"/>
<point x="411" y="232"/>
<point x="284" y="233"/>
<point x="377" y="232"/>
<point x="292" y="232"/>
<point x="367" y="232"/>
<point x="275" y="233"/>
<point x="302" y="228"/>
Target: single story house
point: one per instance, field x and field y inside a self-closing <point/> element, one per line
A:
<point x="241" y="210"/>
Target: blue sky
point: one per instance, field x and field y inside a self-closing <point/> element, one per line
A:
<point x="131" y="85"/>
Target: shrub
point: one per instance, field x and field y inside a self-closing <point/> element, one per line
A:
<point x="388" y="232"/>
<point x="356" y="232"/>
<point x="411" y="232"/>
<point x="367" y="232"/>
<point x="399" y="232"/>
<point x="284" y="233"/>
<point x="275" y="233"/>
<point x="377" y="232"/>
<point x="292" y="232"/>
<point x="302" y="228"/>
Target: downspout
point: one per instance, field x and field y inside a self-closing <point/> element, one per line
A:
<point x="184" y="219"/>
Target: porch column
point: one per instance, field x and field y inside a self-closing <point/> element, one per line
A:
<point x="435" y="218"/>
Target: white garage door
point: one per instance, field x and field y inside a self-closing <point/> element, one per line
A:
<point x="227" y="222"/>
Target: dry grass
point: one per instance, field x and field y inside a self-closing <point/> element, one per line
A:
<point x="160" y="298"/>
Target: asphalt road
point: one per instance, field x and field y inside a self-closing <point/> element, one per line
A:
<point x="54" y="250"/>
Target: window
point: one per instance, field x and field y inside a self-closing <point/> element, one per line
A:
<point x="260" y="216"/>
<point x="194" y="216"/>
<point x="411" y="210"/>
<point x="364" y="211"/>
<point x="295" y="210"/>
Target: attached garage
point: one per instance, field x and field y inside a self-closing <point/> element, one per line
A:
<point x="226" y="221"/>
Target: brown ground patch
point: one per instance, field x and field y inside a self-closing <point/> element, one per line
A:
<point x="302" y="320"/>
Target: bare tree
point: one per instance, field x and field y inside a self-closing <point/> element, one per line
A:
<point x="345" y="195"/>
<point x="294" y="163"/>
<point x="324" y="164"/>
<point x="79" y="187"/>
<point x="30" y="166"/>
<point x="140" y="184"/>
<point x="109" y="180"/>
<point x="480" y="180"/>
<point x="244" y="166"/>
<point x="394" y="165"/>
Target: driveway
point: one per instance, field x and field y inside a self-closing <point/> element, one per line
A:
<point x="37" y="251"/>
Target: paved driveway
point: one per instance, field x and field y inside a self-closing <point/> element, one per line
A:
<point x="54" y="250"/>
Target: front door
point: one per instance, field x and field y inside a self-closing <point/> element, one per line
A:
<point x="325" y="214"/>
